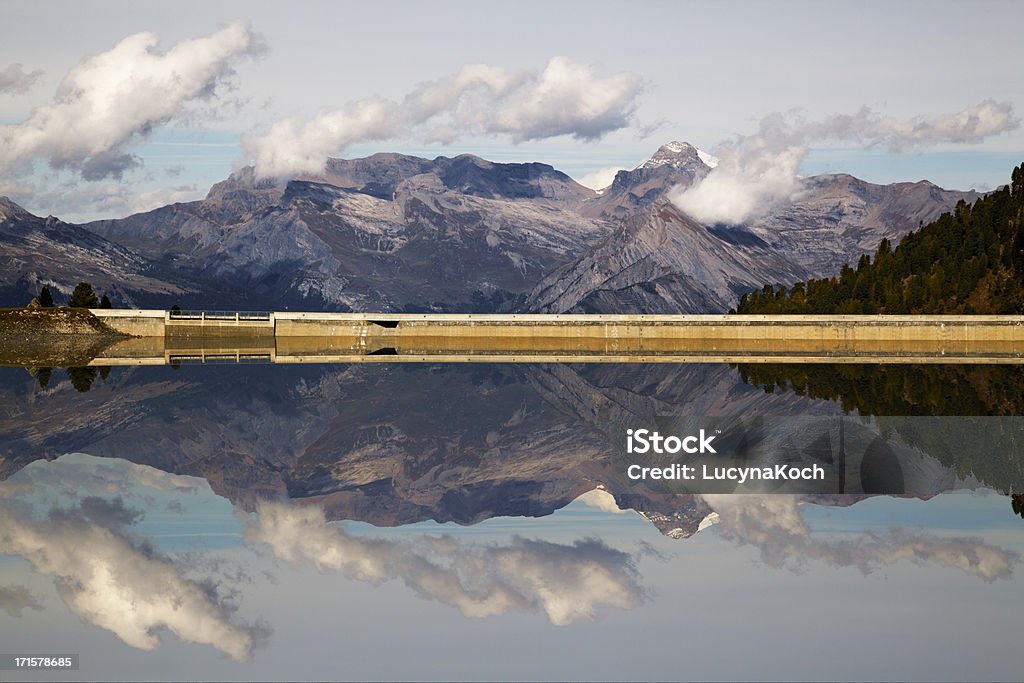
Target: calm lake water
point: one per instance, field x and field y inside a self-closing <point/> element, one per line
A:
<point x="471" y="521"/>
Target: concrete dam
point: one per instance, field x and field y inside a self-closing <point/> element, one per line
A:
<point x="306" y="337"/>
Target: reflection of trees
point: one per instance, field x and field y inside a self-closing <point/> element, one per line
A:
<point x="82" y="378"/>
<point x="991" y="451"/>
<point x="873" y="389"/>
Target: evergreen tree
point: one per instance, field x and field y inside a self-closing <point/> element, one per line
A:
<point x="968" y="261"/>
<point x="105" y="302"/>
<point x="45" y="297"/>
<point x="83" y="297"/>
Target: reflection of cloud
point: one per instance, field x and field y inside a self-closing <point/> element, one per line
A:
<point x="600" y="499"/>
<point x="564" y="98"/>
<point x="16" y="599"/>
<point x="759" y="172"/>
<point x="112" y="580"/>
<point x="773" y="524"/>
<point x="84" y="474"/>
<point x="114" y="98"/>
<point x="567" y="582"/>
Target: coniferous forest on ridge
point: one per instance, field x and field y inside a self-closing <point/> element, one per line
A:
<point x="969" y="261"/>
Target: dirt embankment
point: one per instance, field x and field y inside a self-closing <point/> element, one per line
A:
<point x="52" y="337"/>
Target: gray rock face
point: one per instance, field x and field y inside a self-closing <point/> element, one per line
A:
<point x="398" y="233"/>
<point x="388" y="232"/>
<point x="661" y="260"/>
<point x="676" y="164"/>
<point x="841" y="217"/>
<point x="38" y="251"/>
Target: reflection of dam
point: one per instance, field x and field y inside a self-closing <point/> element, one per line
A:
<point x="285" y="337"/>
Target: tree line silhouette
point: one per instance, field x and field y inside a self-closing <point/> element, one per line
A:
<point x="968" y="261"/>
<point x="83" y="296"/>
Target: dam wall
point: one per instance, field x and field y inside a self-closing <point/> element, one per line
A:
<point x="315" y="335"/>
<point x="135" y="322"/>
<point x="156" y="323"/>
<point x="750" y="328"/>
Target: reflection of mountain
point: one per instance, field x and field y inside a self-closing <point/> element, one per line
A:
<point x="382" y="443"/>
<point x="394" y="232"/>
<point x="385" y="443"/>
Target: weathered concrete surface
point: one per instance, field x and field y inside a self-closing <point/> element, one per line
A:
<point x="134" y="322"/>
<point x="304" y="336"/>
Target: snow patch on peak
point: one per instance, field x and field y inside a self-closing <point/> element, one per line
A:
<point x="676" y="154"/>
<point x="676" y="147"/>
<point x="712" y="517"/>
<point x="709" y="160"/>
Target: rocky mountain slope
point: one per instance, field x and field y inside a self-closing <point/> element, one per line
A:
<point x="388" y="232"/>
<point x="400" y="233"/>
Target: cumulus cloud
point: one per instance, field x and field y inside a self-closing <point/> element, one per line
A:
<point x="564" y="98"/>
<point x="773" y="524"/>
<point x="757" y="173"/>
<point x="14" y="80"/>
<point x="109" y="578"/>
<point x="16" y="599"/>
<point x="113" y="99"/>
<point x="601" y="178"/>
<point x="566" y="582"/>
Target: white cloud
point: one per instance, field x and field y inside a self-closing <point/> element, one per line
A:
<point x="292" y="147"/>
<point x="757" y="173"/>
<point x="564" y="98"/>
<point x="747" y="182"/>
<point x="566" y="582"/>
<point x="15" y="81"/>
<point x="773" y="524"/>
<point x="113" y="99"/>
<point x="601" y="178"/>
<point x="567" y="99"/>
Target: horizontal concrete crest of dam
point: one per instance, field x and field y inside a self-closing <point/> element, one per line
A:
<point x="343" y="337"/>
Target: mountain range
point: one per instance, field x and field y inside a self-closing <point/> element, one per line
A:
<point x="392" y="232"/>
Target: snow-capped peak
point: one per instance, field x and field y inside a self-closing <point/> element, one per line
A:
<point x="679" y="155"/>
<point x="676" y="147"/>
<point x="709" y="160"/>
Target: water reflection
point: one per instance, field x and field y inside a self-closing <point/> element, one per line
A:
<point x="398" y="444"/>
<point x="202" y="482"/>
<point x="80" y="521"/>
<point x="565" y="581"/>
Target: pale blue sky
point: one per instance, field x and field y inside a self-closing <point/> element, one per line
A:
<point x="711" y="70"/>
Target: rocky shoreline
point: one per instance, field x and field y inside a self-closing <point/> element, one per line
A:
<point x="41" y="337"/>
